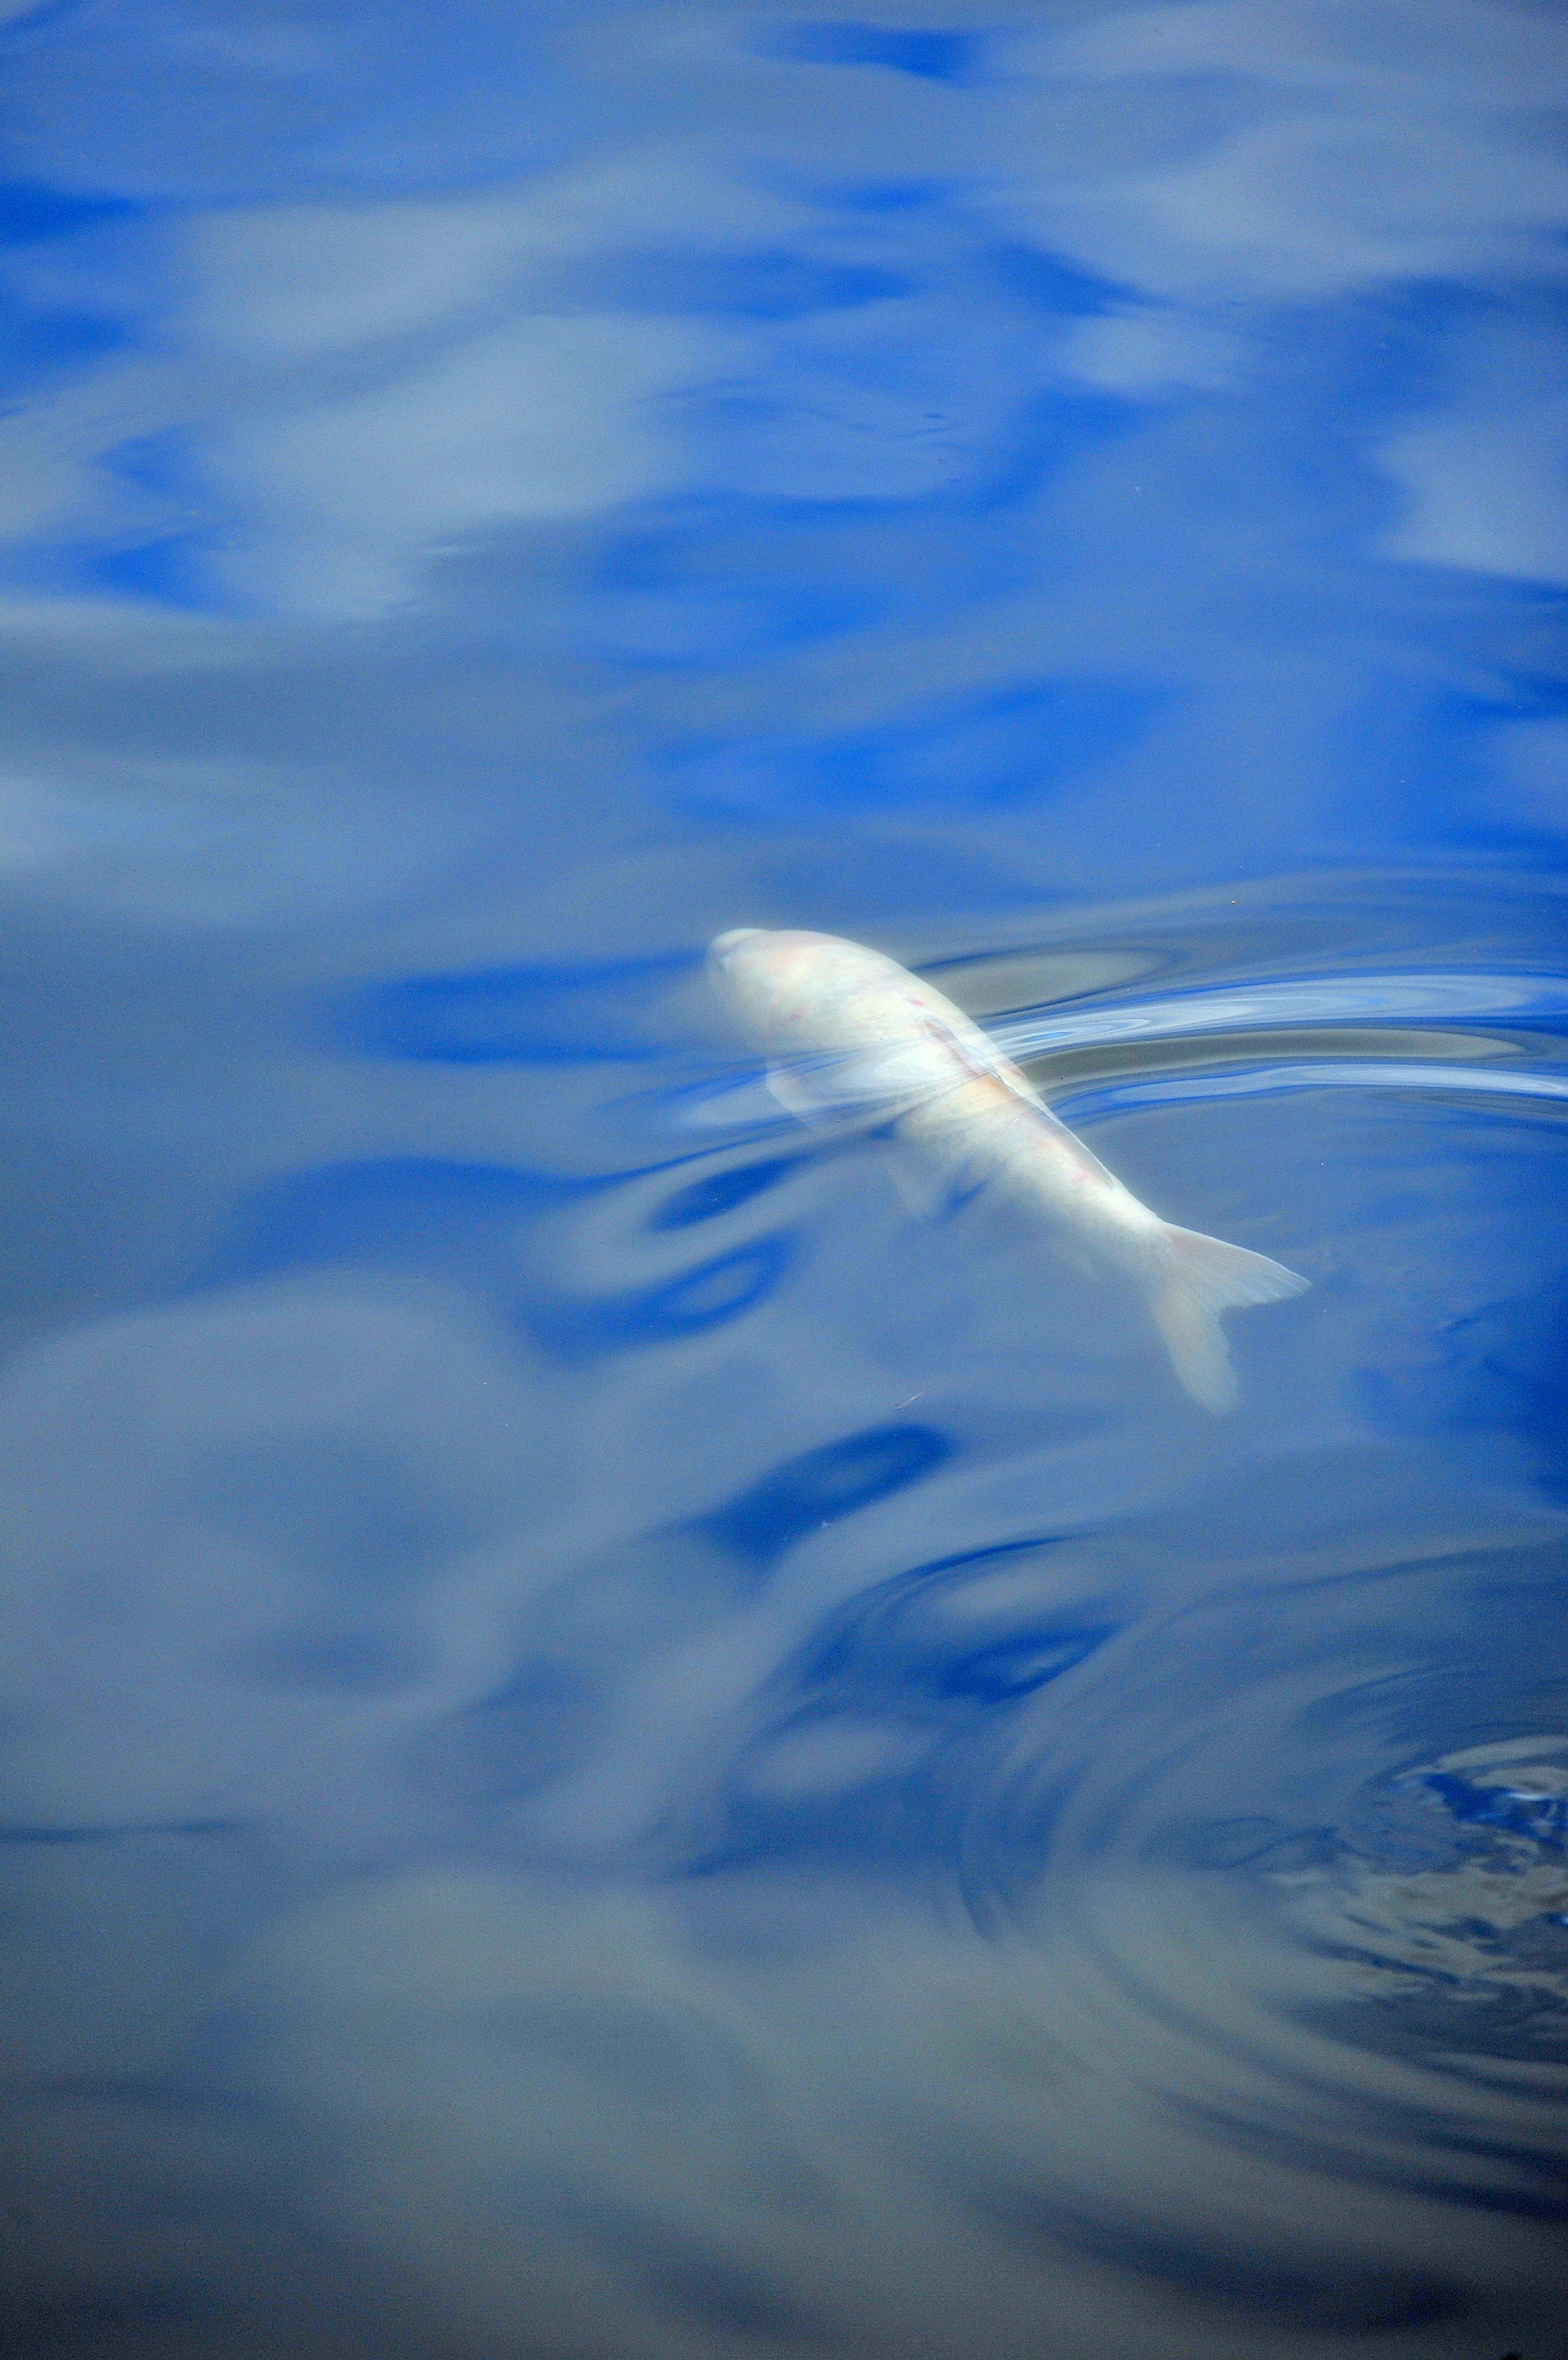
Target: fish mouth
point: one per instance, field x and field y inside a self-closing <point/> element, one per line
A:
<point x="723" y="944"/>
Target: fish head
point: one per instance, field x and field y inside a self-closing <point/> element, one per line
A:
<point x="777" y="979"/>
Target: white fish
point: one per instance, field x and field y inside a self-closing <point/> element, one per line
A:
<point x="846" y="1028"/>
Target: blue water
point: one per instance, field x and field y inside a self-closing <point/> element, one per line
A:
<point x="612" y="1748"/>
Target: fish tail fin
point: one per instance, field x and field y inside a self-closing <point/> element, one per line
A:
<point x="1199" y="1278"/>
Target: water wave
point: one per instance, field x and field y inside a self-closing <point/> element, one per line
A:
<point x="1338" y="1030"/>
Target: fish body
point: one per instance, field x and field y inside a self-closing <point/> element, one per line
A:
<point x="846" y="1030"/>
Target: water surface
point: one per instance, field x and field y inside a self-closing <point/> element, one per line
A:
<point x="607" y="1745"/>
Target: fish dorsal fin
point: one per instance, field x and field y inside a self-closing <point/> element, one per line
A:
<point x="983" y="1059"/>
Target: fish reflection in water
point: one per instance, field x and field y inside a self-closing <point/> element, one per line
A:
<point x="845" y="1027"/>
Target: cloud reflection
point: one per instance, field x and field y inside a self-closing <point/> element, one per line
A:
<point x="230" y="1520"/>
<point x="1322" y="180"/>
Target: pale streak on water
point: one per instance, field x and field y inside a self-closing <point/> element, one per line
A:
<point x="1344" y="1009"/>
<point x="608" y="1750"/>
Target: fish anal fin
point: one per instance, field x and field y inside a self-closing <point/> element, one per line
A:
<point x="927" y="1190"/>
<point x="932" y="1187"/>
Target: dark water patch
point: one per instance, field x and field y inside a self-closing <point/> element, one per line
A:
<point x="36" y="343"/>
<point x="694" y="593"/>
<point x="167" y="464"/>
<point x="171" y="568"/>
<point x="1346" y="2141"/>
<point x="1261" y="1844"/>
<point x="644" y="1593"/>
<point x="1014" y="746"/>
<point x="339" y="1510"/>
<point x="721" y="1192"/>
<point x="31" y="211"/>
<point x="1051" y="283"/>
<point x="128" y="2317"/>
<point x="121" y="1831"/>
<point x="720" y="2296"/>
<point x="693" y="2283"/>
<point x="813" y="448"/>
<point x="832" y="1480"/>
<point x="864" y="1743"/>
<point x="40" y="17"/>
<point x="180" y="2098"/>
<point x="725" y="1288"/>
<point x="395" y="1209"/>
<point x="759" y="286"/>
<point x="975" y="1624"/>
<point x="504" y="1746"/>
<point x="115" y="1938"/>
<point x="532" y="1015"/>
<point x="1502" y="1366"/>
<point x="929" y="56"/>
<point x="665" y="1583"/>
<point x="1331" y="2295"/>
<point x="1016" y="1666"/>
<point x="1523" y="1806"/>
<point x="839" y="1790"/>
<point x="1316" y="2293"/>
<point x="327" y="1659"/>
<point x="890" y="196"/>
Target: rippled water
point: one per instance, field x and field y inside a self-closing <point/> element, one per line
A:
<point x="609" y="1746"/>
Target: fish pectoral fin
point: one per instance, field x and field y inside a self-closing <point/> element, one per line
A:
<point x="796" y="1095"/>
<point x="846" y="1086"/>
